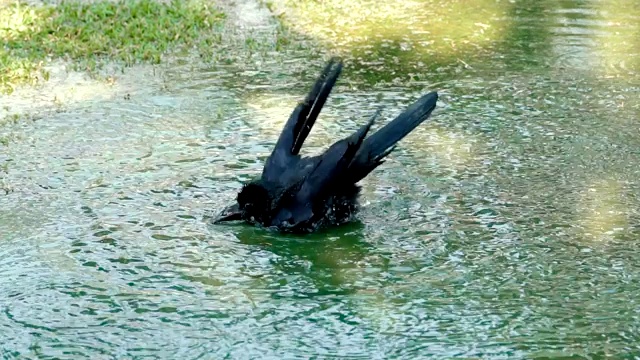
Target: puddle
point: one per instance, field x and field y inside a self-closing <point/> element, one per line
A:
<point x="506" y="226"/>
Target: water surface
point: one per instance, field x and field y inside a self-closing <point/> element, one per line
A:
<point x="507" y="226"/>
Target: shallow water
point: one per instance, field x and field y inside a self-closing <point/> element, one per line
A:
<point x="505" y="227"/>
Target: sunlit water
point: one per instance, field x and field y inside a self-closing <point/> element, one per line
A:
<point x="508" y="226"/>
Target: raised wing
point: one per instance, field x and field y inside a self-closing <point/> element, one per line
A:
<point x="299" y="124"/>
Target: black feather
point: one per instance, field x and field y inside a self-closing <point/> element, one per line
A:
<point x="302" y="194"/>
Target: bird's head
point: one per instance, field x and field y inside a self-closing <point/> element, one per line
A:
<point x="253" y="204"/>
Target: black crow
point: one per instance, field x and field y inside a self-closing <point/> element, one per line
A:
<point x="302" y="194"/>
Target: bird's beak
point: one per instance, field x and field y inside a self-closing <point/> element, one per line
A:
<point x="230" y="213"/>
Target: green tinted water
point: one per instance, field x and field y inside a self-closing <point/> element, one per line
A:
<point x="508" y="226"/>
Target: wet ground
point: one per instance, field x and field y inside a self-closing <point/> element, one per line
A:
<point x="507" y="226"/>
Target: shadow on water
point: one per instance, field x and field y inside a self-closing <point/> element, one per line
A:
<point x="528" y="40"/>
<point x="322" y="257"/>
<point x="504" y="227"/>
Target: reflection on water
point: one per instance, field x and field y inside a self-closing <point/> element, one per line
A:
<point x="506" y="226"/>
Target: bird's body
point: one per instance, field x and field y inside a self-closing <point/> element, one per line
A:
<point x="302" y="194"/>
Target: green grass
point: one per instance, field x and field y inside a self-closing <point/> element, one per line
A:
<point x="126" y="31"/>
